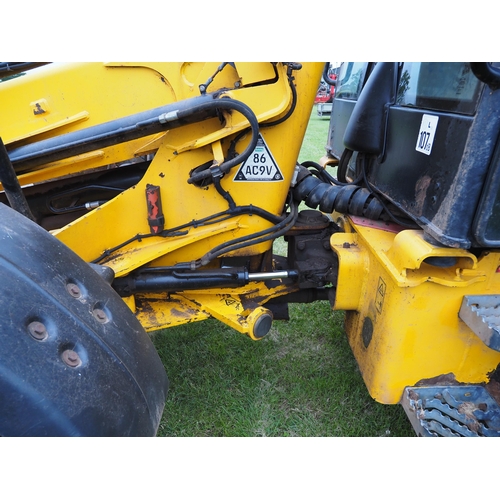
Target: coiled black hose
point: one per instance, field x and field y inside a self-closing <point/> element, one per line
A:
<point x="347" y="199"/>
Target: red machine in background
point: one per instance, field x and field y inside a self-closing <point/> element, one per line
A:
<point x="326" y="91"/>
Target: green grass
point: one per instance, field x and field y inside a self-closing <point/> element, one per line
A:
<point x="300" y="380"/>
<point x="313" y="147"/>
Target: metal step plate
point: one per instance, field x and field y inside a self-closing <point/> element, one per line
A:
<point x="458" y="411"/>
<point x="481" y="313"/>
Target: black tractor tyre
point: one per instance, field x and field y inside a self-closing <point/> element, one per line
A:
<point x="74" y="360"/>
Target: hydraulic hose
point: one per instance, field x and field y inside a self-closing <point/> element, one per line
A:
<point x="230" y="104"/>
<point x="253" y="239"/>
<point x="326" y="75"/>
<point x="171" y="116"/>
<point x="289" y="112"/>
<point x="348" y="199"/>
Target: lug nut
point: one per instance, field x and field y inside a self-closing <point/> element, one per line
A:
<point x="71" y="358"/>
<point x="74" y="290"/>
<point x="37" y="330"/>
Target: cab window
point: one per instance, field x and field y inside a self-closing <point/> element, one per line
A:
<point x="350" y="80"/>
<point x="445" y="87"/>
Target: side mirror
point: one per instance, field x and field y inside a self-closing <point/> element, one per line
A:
<point x="487" y="74"/>
<point x="366" y="130"/>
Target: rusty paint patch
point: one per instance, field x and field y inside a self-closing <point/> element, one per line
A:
<point x="467" y="409"/>
<point x="447" y="379"/>
<point x="421" y="192"/>
<point x="493" y="388"/>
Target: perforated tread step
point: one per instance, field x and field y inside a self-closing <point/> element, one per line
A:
<point x="481" y="313"/>
<point x="458" y="411"/>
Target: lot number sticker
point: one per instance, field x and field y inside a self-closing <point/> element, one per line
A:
<point x="426" y="134"/>
<point x="259" y="166"/>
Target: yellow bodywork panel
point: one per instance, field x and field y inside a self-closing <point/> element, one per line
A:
<point x="181" y="150"/>
<point x="402" y="312"/>
<point x="64" y="100"/>
<point x="240" y="308"/>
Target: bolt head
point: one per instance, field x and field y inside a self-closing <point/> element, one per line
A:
<point x="71" y="358"/>
<point x="74" y="290"/>
<point x="37" y="330"/>
<point x="100" y="315"/>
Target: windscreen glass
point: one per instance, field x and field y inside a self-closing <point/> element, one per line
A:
<point x="350" y="80"/>
<point x="439" y="86"/>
